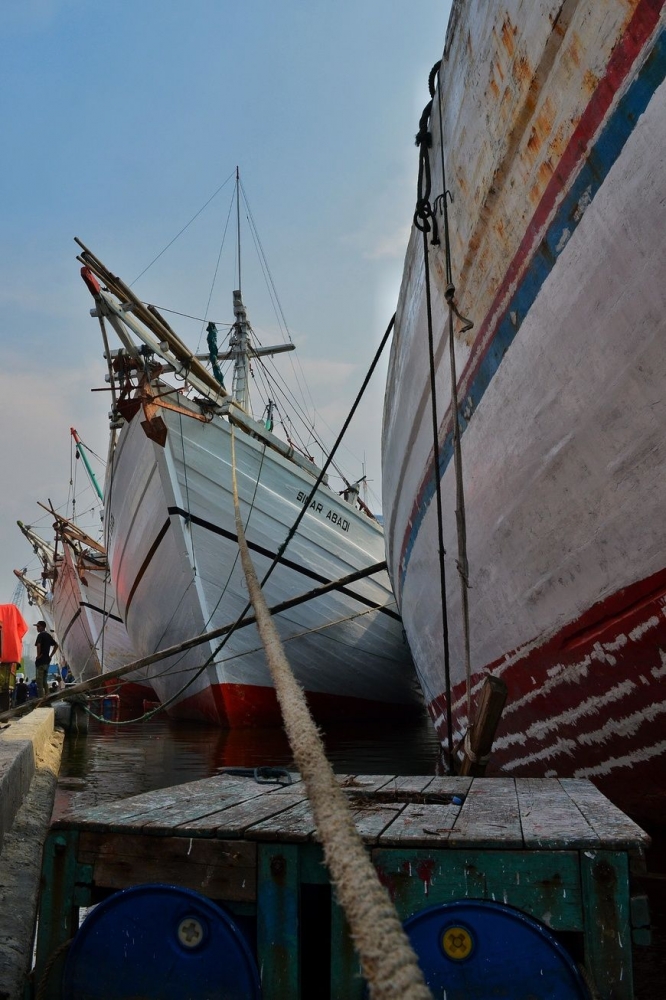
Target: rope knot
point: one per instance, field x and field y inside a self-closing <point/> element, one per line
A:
<point x="424" y="135"/>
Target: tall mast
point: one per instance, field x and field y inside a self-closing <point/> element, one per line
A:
<point x="239" y="340"/>
<point x="238" y="239"/>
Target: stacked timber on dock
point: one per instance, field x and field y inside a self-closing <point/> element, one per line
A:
<point x="555" y="850"/>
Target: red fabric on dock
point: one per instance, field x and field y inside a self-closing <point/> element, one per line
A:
<point x="14" y="627"/>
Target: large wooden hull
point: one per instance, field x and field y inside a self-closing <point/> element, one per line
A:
<point x="554" y="125"/>
<point x="91" y="634"/>
<point x="175" y="565"/>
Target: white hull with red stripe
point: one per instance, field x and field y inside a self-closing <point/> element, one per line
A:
<point x="554" y="124"/>
<point x="174" y="560"/>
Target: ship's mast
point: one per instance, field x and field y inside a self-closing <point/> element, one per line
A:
<point x="239" y="340"/>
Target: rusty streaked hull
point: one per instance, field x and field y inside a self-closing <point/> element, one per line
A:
<point x="554" y="125"/>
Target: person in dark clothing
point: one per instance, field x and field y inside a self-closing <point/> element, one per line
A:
<point x="21" y="692"/>
<point x="46" y="647"/>
<point x="32" y="689"/>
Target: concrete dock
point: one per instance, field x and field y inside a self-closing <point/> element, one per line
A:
<point x="30" y="753"/>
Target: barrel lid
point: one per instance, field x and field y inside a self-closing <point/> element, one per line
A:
<point x="162" y="942"/>
<point x="482" y="949"/>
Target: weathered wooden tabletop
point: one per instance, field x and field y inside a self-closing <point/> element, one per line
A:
<point x="389" y="810"/>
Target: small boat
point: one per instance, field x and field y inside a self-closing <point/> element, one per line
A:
<point x="172" y="539"/>
<point x="540" y="217"/>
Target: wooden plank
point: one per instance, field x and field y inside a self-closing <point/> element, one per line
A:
<point x="218" y="869"/>
<point x="278" y="948"/>
<point x="58" y="915"/>
<point x="372" y="820"/>
<point x="605" y="882"/>
<point x="347" y="983"/>
<point x="234" y="819"/>
<point x="367" y="782"/>
<point x="613" y="828"/>
<point x="313" y="868"/>
<point x="421" y="826"/>
<point x="489" y="816"/>
<point x="408" y="783"/>
<point x="550" y="818"/>
<point x="160" y="811"/>
<point x="110" y="811"/>
<point x="133" y="813"/>
<point x="294" y="825"/>
<point x="449" y="784"/>
<point x="543" y="884"/>
<point x="204" y="807"/>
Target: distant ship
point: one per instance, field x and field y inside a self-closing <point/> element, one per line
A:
<point x="38" y="596"/>
<point x="549" y="121"/>
<point x="81" y="607"/>
<point x="173" y="546"/>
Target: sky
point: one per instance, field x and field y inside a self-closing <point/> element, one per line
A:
<point x="120" y="121"/>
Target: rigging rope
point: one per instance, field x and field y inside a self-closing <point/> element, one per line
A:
<point x="217" y="268"/>
<point x="329" y="460"/>
<point x="425" y="221"/>
<point x="461" y="520"/>
<point x="186" y="226"/>
<point x="387" y="959"/>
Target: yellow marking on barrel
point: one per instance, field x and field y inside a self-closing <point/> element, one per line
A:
<point x="457" y="943"/>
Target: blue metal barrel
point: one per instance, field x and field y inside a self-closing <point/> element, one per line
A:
<point x="161" y="942"/>
<point x="479" y="950"/>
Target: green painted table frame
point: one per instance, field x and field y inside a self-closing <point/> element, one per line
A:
<point x="580" y="891"/>
<point x="585" y="892"/>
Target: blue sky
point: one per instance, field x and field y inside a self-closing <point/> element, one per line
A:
<point x="119" y="122"/>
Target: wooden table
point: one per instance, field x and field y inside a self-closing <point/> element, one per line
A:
<point x="555" y="849"/>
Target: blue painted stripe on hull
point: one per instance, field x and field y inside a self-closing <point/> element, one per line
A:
<point x="598" y="163"/>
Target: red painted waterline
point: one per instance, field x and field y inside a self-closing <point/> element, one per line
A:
<point x="244" y="706"/>
<point x="132" y="696"/>
<point x="639" y="787"/>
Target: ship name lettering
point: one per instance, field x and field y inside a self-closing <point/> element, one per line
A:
<point x="338" y="519"/>
<point x="315" y="505"/>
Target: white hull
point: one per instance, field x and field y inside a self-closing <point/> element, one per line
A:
<point x="555" y="144"/>
<point x="174" y="561"/>
<point x="90" y="632"/>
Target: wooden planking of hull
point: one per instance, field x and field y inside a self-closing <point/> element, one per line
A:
<point x="174" y="561"/>
<point x="92" y="636"/>
<point x="554" y="123"/>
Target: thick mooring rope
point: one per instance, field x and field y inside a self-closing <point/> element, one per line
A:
<point x="387" y="959"/>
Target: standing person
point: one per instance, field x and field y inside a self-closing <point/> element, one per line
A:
<point x="21" y="692"/>
<point x="46" y="647"/>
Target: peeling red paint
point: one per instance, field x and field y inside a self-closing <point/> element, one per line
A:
<point x="424" y="870"/>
